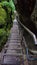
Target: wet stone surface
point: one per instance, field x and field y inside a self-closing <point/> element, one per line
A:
<point x="13" y="54"/>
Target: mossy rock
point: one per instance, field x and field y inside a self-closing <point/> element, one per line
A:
<point x="2" y="38"/>
<point x="6" y="22"/>
<point x="3" y="17"/>
<point x="3" y="13"/>
<point x="2" y="21"/>
<point x="2" y="32"/>
<point x="2" y="42"/>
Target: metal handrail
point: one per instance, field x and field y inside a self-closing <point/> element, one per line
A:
<point x="29" y="57"/>
<point x="31" y="33"/>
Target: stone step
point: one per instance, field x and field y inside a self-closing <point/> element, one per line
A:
<point x="14" y="34"/>
<point x="16" y="54"/>
<point x="14" y="37"/>
<point x="12" y="60"/>
<point x="12" y="54"/>
<point x="15" y="31"/>
<point x="14" y="51"/>
<point x="13" y="41"/>
<point x="12" y="44"/>
<point x="13" y="48"/>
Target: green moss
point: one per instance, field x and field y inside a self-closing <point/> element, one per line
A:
<point x="3" y="13"/>
<point x="3" y="17"/>
<point x="2" y="32"/>
<point x="2" y="38"/>
<point x="6" y="22"/>
<point x="2" y="21"/>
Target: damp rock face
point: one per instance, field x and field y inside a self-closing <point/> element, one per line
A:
<point x="26" y="6"/>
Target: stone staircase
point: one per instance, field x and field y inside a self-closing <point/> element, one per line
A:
<point x="12" y="53"/>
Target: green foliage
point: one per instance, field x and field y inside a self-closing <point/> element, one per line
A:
<point x="2" y="32"/>
<point x="2" y="13"/>
<point x="4" y="0"/>
<point x="2" y="22"/>
<point x="5" y="24"/>
<point x="3" y="17"/>
<point x="2" y="38"/>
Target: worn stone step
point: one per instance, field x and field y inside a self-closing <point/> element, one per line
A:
<point x="14" y="34"/>
<point x="17" y="36"/>
<point x="14" y="44"/>
<point x="15" y="31"/>
<point x="15" y="28"/>
<point x="13" y="41"/>
<point x="13" y="48"/>
<point x="14" y="38"/>
<point x="14" y="51"/>
<point x="16" y="54"/>
<point x="12" y="54"/>
<point x="12" y="60"/>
